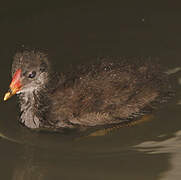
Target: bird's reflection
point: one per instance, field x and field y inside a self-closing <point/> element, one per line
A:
<point x="36" y="163"/>
<point x="27" y="168"/>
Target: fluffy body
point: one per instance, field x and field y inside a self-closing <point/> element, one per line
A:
<point x="107" y="92"/>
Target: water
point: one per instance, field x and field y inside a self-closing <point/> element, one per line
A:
<point x="72" y="33"/>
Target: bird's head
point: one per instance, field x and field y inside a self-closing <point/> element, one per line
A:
<point x="30" y="72"/>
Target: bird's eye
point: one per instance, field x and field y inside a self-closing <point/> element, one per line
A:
<point x="32" y="74"/>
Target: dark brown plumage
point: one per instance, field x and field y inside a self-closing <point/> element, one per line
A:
<point x="109" y="91"/>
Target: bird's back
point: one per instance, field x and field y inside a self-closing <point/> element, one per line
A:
<point x="107" y="93"/>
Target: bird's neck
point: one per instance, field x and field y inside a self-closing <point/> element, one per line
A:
<point x="28" y="109"/>
<point x="33" y="107"/>
<point x="35" y="104"/>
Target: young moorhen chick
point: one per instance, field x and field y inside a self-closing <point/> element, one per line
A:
<point x="104" y="93"/>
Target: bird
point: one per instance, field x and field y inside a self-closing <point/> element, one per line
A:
<point x="107" y="91"/>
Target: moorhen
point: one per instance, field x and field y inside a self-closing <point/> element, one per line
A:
<point x="106" y="92"/>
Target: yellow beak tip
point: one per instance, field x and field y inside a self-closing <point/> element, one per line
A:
<point x="7" y="96"/>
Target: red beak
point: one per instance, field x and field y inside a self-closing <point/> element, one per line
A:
<point x="14" y="86"/>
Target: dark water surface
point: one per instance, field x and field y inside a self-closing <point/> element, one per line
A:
<point x="72" y="32"/>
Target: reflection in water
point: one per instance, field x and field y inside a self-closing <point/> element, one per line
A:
<point x="26" y="168"/>
<point x="171" y="145"/>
